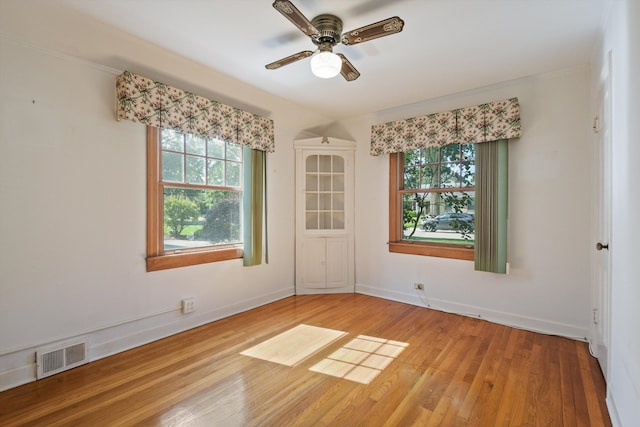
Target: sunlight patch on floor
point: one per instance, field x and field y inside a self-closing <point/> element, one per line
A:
<point x="361" y="359"/>
<point x="295" y="345"/>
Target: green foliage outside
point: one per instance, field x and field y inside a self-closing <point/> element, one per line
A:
<point x="212" y="216"/>
<point x="222" y="221"/>
<point x="178" y="211"/>
<point x="188" y="231"/>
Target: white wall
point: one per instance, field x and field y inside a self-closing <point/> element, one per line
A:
<point x="72" y="202"/>
<point x="73" y="189"/>
<point x="548" y="285"/>
<point x="622" y="38"/>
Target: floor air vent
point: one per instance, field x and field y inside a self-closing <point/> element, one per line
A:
<point x="60" y="357"/>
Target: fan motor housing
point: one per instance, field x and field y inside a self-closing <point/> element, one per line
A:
<point x="330" y="28"/>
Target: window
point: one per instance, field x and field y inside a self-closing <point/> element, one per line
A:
<point x="432" y="201"/>
<point x="324" y="192"/>
<point x="194" y="199"/>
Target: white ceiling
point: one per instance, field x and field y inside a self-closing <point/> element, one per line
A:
<point x="447" y="46"/>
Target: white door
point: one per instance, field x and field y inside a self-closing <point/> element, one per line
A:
<point x="601" y="293"/>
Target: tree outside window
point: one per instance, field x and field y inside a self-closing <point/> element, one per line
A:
<point x="194" y="199"/>
<point x="433" y="198"/>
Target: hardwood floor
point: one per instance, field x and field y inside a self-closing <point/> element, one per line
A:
<point x="456" y="371"/>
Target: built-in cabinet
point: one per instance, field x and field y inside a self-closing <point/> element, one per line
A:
<point x="324" y="216"/>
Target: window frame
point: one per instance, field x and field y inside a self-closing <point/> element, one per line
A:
<point x="156" y="258"/>
<point x="396" y="243"/>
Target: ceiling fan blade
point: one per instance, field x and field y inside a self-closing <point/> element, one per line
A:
<point x="292" y="13"/>
<point x="288" y="60"/>
<point x="348" y="71"/>
<point x="373" y="31"/>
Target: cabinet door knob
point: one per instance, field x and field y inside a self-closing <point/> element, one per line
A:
<point x="600" y="246"/>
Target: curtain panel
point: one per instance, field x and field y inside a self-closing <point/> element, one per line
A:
<point x="254" y="207"/>
<point x="480" y="123"/>
<point x="144" y="100"/>
<point x="491" y="210"/>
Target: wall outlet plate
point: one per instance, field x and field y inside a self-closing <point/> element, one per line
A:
<point x="188" y="305"/>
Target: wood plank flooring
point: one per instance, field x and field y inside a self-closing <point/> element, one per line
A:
<point x="456" y="371"/>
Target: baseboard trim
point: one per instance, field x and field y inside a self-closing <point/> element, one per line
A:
<point x="19" y="367"/>
<point x="18" y="376"/>
<point x="494" y="316"/>
<point x="613" y="410"/>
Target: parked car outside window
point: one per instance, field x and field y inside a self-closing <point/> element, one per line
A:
<point x="457" y="221"/>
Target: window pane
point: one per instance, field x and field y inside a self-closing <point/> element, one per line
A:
<point x="449" y="175"/>
<point x="468" y="151"/>
<point x="195" y="144"/>
<point x="325" y="182"/>
<point x="311" y="220"/>
<point x="311" y="200"/>
<point x="324" y="163"/>
<point x="223" y="218"/>
<point x="312" y="182"/>
<point x="429" y="177"/>
<point x="338" y="220"/>
<point x="338" y="182"/>
<point x="172" y="140"/>
<point x="172" y="167"/>
<point x="312" y="163"/>
<point x="439" y="217"/>
<point x="200" y="218"/>
<point x="430" y="155"/>
<point x="215" y="148"/>
<point x="468" y="174"/>
<point x="433" y="168"/>
<point x="338" y="202"/>
<point x="325" y="201"/>
<point x="412" y="177"/>
<point x="338" y="164"/>
<point x="195" y="170"/>
<point x="234" y="151"/>
<point x="450" y="153"/>
<point x="324" y="221"/>
<point x="413" y="158"/>
<point x="215" y="172"/>
<point x="233" y="174"/>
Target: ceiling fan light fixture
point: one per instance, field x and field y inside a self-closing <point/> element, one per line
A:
<point x="326" y="64"/>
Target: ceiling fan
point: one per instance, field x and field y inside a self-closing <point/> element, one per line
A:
<point x="325" y="32"/>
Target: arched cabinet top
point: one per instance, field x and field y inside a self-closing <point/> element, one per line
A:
<point x="324" y="142"/>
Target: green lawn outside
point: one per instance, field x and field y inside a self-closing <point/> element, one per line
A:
<point x="438" y="240"/>
<point x="186" y="231"/>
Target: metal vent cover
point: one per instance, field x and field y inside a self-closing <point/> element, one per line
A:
<point x="61" y="356"/>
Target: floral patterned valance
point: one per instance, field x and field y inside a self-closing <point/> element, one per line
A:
<point x="480" y="123"/>
<point x="143" y="100"/>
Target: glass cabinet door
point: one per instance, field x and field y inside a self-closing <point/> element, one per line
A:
<point x="324" y="192"/>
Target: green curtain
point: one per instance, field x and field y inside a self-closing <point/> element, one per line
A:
<point x="254" y="205"/>
<point x="491" y="206"/>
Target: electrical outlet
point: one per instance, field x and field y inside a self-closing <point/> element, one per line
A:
<point x="418" y="286"/>
<point x="188" y="305"/>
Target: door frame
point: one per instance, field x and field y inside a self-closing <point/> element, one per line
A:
<point x="601" y="259"/>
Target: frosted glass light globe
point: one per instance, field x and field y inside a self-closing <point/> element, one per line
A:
<point x="326" y="65"/>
